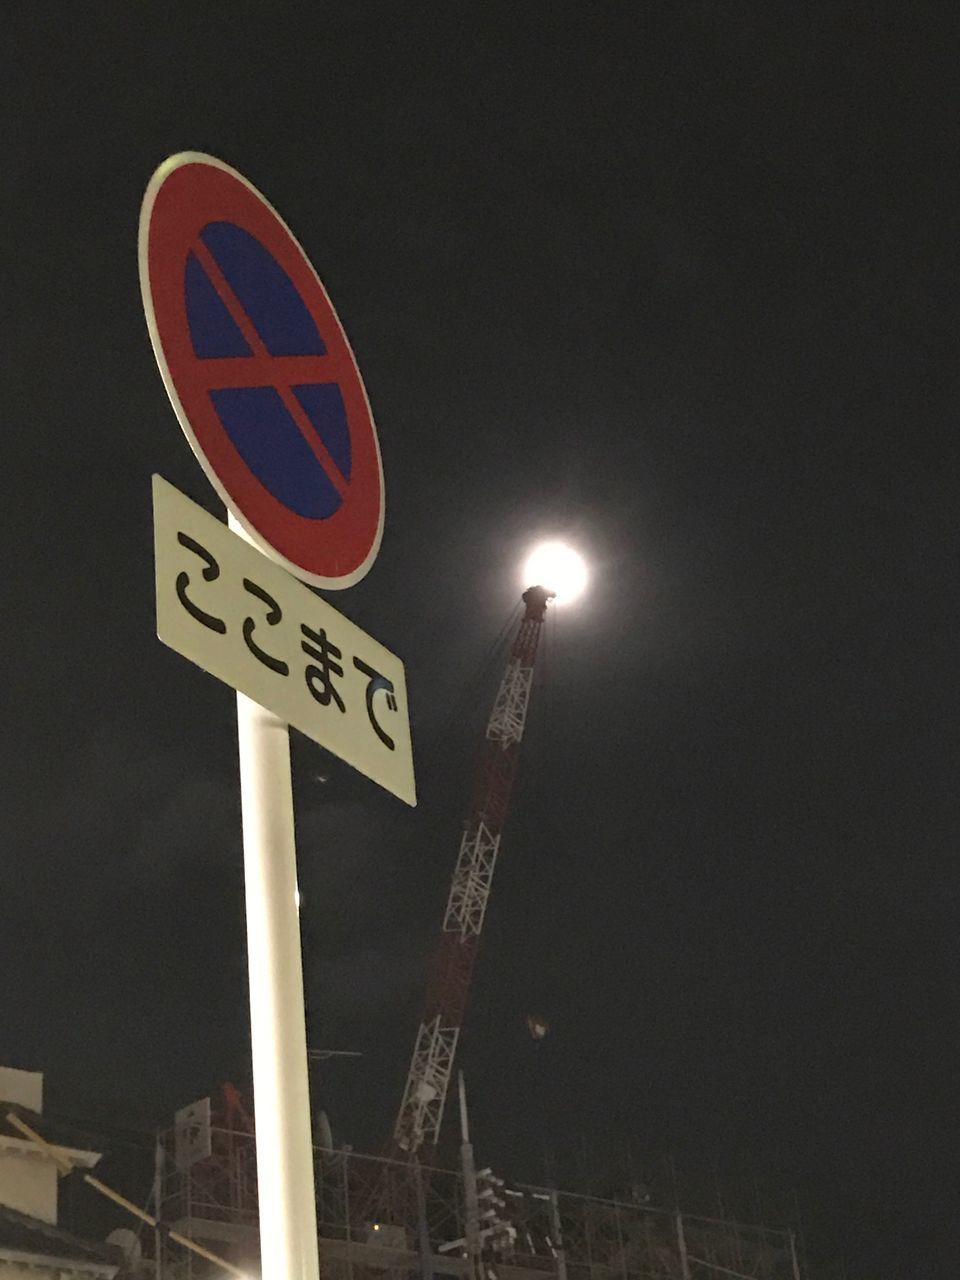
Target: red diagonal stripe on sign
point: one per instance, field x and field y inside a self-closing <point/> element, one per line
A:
<point x="260" y="369"/>
<point x="248" y="371"/>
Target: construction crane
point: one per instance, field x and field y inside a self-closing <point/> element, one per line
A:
<point x="417" y="1127"/>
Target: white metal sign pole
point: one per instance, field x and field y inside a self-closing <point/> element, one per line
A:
<point x="288" y="1215"/>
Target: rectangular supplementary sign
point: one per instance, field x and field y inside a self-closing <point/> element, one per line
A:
<point x="235" y="613"/>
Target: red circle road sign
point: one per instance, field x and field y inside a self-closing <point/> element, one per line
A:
<point x="259" y="371"/>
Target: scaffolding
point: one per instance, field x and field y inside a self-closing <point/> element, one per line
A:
<point x="421" y="1226"/>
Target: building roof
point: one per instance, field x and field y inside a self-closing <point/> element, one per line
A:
<point x="20" y="1234"/>
<point x="80" y="1146"/>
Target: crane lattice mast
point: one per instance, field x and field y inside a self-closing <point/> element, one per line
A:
<point x="431" y="1068"/>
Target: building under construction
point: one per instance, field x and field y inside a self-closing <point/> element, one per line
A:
<point x="422" y="1225"/>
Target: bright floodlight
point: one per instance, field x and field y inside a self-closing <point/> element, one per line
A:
<point x="557" y="567"/>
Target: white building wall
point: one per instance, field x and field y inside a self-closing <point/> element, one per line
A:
<point x="24" y="1087"/>
<point x="28" y="1182"/>
<point x="28" y="1179"/>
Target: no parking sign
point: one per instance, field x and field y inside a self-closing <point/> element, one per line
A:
<point x="267" y="391"/>
<point x="259" y="371"/>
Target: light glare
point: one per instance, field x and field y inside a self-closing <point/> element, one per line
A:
<point x="557" y="567"/>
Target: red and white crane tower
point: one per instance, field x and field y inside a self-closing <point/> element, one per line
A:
<point x="418" y="1123"/>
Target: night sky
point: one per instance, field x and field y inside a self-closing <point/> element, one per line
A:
<point x="677" y="282"/>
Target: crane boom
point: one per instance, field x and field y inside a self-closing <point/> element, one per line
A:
<point x="431" y="1068"/>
